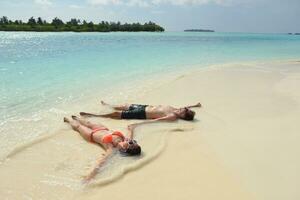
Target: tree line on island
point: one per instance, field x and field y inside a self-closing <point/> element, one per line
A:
<point x="198" y="30"/>
<point x="74" y="25"/>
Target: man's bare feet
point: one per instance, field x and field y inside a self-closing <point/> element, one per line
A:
<point x="84" y="114"/>
<point x="103" y="103"/>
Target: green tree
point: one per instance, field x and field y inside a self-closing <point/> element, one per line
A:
<point x="40" y="21"/>
<point x="74" y="22"/>
<point x="4" y="20"/>
<point x="74" y="25"/>
<point x="31" y="22"/>
<point x="57" y="22"/>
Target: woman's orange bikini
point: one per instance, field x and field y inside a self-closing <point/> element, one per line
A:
<point x="106" y="139"/>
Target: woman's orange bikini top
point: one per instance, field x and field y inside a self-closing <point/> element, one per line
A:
<point x="106" y="139"/>
<point x="109" y="139"/>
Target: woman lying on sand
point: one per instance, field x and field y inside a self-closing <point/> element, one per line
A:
<point x="108" y="139"/>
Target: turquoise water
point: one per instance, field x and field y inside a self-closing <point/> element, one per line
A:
<point x="39" y="71"/>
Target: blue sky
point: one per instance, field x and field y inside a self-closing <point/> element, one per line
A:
<point x="174" y="15"/>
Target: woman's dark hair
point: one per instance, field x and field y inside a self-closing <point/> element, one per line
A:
<point x="134" y="150"/>
<point x="189" y="115"/>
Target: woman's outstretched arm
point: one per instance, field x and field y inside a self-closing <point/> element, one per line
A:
<point x="131" y="127"/>
<point x="99" y="163"/>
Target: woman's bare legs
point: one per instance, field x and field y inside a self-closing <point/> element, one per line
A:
<point x="87" y="123"/>
<point x="117" y="107"/>
<point x="84" y="131"/>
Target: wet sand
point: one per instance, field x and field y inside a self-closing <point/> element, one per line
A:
<point x="242" y="145"/>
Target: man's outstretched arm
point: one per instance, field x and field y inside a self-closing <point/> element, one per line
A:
<point x="198" y="105"/>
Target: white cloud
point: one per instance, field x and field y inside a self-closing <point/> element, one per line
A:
<point x="43" y="2"/>
<point x="195" y="2"/>
<point x="157" y="12"/>
<point x="146" y="3"/>
<point x="104" y="2"/>
<point x="138" y="3"/>
<point x="75" y="6"/>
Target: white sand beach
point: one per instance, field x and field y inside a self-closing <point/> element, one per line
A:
<point x="242" y="145"/>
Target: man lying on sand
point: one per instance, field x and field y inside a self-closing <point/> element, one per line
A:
<point x="155" y="113"/>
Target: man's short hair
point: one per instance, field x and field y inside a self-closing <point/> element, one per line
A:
<point x="189" y="115"/>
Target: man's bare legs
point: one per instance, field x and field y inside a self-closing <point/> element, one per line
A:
<point x="117" y="107"/>
<point x="113" y="115"/>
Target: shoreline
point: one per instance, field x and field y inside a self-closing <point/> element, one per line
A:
<point x="141" y="88"/>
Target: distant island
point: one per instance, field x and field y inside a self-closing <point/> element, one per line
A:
<point x="75" y="25"/>
<point x="198" y="30"/>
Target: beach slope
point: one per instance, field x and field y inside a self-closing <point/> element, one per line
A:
<point x="242" y="145"/>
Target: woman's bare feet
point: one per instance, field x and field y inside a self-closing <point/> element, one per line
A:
<point x="80" y="120"/>
<point x="66" y="120"/>
<point x="74" y="123"/>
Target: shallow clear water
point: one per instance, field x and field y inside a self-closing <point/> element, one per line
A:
<point x="41" y="71"/>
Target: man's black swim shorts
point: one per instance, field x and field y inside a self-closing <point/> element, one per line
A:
<point x="135" y="111"/>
